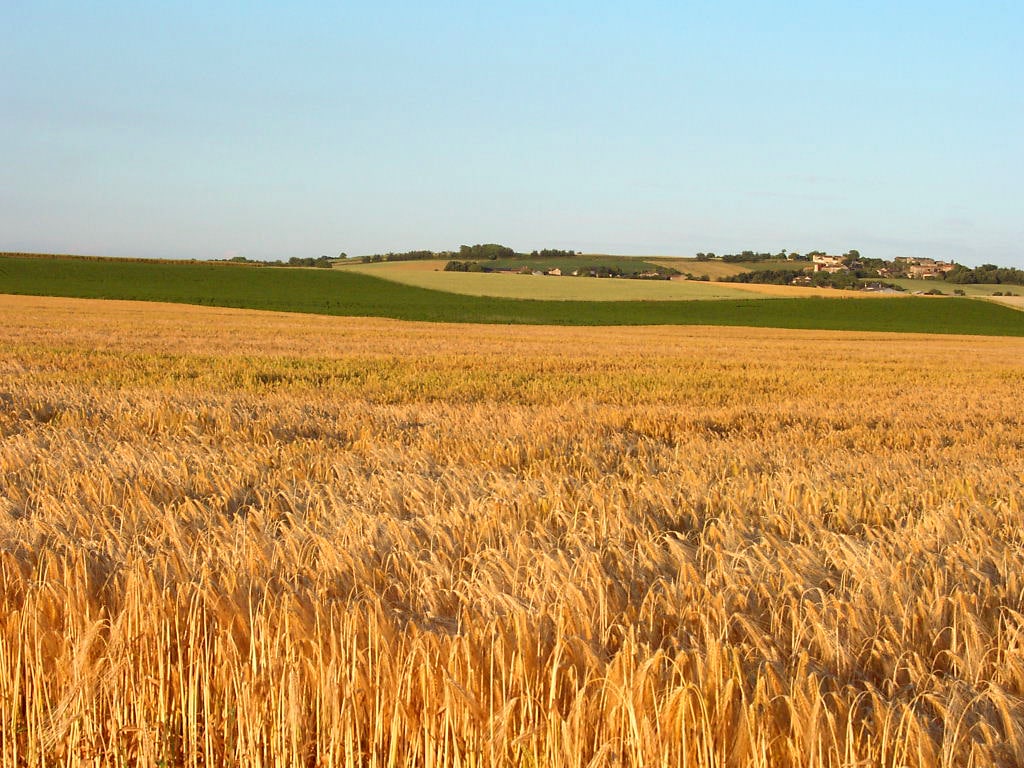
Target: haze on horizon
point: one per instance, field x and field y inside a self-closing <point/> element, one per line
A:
<point x="668" y="128"/>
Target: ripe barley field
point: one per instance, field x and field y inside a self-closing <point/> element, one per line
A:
<point x="241" y="538"/>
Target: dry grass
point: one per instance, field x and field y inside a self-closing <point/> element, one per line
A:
<point x="238" y="538"/>
<point x="803" y="291"/>
<point x="1017" y="302"/>
<point x="713" y="269"/>
<point x="431" y="274"/>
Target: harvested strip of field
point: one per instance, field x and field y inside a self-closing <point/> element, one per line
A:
<point x="546" y="287"/>
<point x="713" y="269"/>
<point x="430" y="274"/>
<point x="233" y="537"/>
<point x="800" y="291"/>
<point x="1011" y="301"/>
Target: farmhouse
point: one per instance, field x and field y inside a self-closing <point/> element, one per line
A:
<point x="830" y="264"/>
<point x="923" y="268"/>
<point x="934" y="269"/>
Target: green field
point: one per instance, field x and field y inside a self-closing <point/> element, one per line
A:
<point x="431" y="274"/>
<point x="344" y="292"/>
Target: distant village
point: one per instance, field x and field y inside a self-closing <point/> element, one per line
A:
<point x="904" y="266"/>
<point x="819" y="264"/>
<point x="823" y="264"/>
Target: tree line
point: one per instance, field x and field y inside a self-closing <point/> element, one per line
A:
<point x="323" y="262"/>
<point x="986" y="273"/>
<point x="406" y="256"/>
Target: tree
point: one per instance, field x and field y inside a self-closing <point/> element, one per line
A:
<point x="490" y="251"/>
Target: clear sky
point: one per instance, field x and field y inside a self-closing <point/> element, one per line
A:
<point x="272" y="130"/>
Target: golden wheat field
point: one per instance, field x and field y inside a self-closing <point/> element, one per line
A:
<point x="255" y="539"/>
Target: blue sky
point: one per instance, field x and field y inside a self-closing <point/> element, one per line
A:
<point x="273" y="130"/>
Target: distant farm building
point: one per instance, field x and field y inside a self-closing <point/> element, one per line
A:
<point x="922" y="268"/>
<point x="830" y="264"/>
